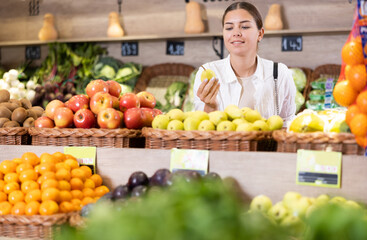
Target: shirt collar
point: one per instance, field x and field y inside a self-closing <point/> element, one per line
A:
<point x="231" y="76"/>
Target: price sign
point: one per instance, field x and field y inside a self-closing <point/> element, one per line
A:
<point x="329" y="86"/>
<point x="84" y="155"/>
<point x="319" y="168"/>
<point x="32" y="52"/>
<point x="175" y="48"/>
<point x="129" y="49"/>
<point x="292" y="43"/>
<point x="189" y="159"/>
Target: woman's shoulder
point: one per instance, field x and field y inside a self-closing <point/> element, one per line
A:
<point x="217" y="63"/>
<point x="269" y="64"/>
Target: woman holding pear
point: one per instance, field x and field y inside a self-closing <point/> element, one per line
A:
<point x="243" y="78"/>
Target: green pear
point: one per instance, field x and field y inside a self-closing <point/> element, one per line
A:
<point x="226" y="126"/>
<point x="191" y="123"/>
<point x="310" y="210"/>
<point x="338" y="199"/>
<point x="245" y="127"/>
<point x="160" y="121"/>
<point x="252" y="116"/>
<point x="238" y="121"/>
<point x="275" y="122"/>
<point x="260" y="125"/>
<point x="300" y="206"/>
<point x="322" y="199"/>
<point x="290" y="198"/>
<point x="206" y="125"/>
<point x="200" y="115"/>
<point x="261" y="203"/>
<point x="233" y="112"/>
<point x="278" y="212"/>
<point x="176" y="114"/>
<point x="244" y="110"/>
<point x="207" y="74"/>
<point x="188" y="114"/>
<point x="175" y="125"/>
<point x="294" y="225"/>
<point x="352" y="204"/>
<point x="217" y="116"/>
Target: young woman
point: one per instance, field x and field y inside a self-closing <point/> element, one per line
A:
<point x="244" y="78"/>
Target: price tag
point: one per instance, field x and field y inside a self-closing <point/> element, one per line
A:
<point x="189" y="159"/>
<point x="329" y="86"/>
<point x="292" y="43"/>
<point x="84" y="155"/>
<point x="175" y="48"/>
<point x="129" y="49"/>
<point x="32" y="52"/>
<point x="319" y="168"/>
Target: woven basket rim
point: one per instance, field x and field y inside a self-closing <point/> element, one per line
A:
<point x="11" y="131"/>
<point x="37" y="220"/>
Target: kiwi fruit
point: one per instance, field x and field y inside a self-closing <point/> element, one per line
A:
<point x="11" y="124"/>
<point x="26" y="103"/>
<point x="38" y="110"/>
<point x="19" y="115"/>
<point x="32" y="113"/>
<point x="5" y="112"/>
<point x="3" y="120"/>
<point x="9" y="105"/>
<point x="29" y="122"/>
<point x="4" y="95"/>
<point x="16" y="101"/>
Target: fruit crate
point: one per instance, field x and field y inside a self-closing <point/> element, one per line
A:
<point x="209" y="140"/>
<point x="338" y="142"/>
<point x="116" y="138"/>
<point x="14" y="136"/>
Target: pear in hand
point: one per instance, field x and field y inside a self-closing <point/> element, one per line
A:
<point x="207" y="74"/>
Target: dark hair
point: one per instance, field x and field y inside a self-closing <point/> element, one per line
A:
<point x="249" y="8"/>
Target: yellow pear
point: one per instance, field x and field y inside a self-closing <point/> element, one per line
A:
<point x="114" y="28"/>
<point x="48" y="31"/>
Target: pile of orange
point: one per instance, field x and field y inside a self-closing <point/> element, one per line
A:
<point x="352" y="92"/>
<point x="45" y="185"/>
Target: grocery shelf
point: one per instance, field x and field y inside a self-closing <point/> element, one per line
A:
<point x="268" y="33"/>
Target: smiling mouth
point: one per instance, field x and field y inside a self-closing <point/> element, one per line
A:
<point x="237" y="42"/>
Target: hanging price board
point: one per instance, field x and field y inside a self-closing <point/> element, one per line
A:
<point x="175" y="48"/>
<point x="129" y="49"/>
<point x="84" y="155"/>
<point x="32" y="52"/>
<point x="189" y="159"/>
<point x="292" y="43"/>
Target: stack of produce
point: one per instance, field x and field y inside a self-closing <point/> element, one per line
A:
<point x="300" y="80"/>
<point x="317" y="95"/>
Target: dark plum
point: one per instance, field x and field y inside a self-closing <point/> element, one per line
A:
<point x="120" y="192"/>
<point x="137" y="179"/>
<point x="139" y="191"/>
<point x="159" y="177"/>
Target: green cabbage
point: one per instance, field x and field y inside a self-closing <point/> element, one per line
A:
<point x="299" y="78"/>
<point x="300" y="100"/>
<point x="108" y="72"/>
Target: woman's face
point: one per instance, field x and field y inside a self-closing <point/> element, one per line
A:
<point x="240" y="33"/>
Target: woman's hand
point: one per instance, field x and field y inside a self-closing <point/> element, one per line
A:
<point x="207" y="92"/>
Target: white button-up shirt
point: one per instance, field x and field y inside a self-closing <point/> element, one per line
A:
<point x="263" y="81"/>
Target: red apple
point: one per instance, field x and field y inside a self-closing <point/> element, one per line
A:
<point x="157" y="111"/>
<point x="77" y="102"/>
<point x="133" y="118"/>
<point x="114" y="88"/>
<point x="109" y="118"/>
<point x="63" y="117"/>
<point x="84" y="118"/>
<point x="100" y="101"/>
<point x="44" y="122"/>
<point x="52" y="106"/>
<point x="96" y="86"/>
<point x="147" y="116"/>
<point x="122" y="118"/>
<point x="115" y="103"/>
<point x="146" y="99"/>
<point x="129" y="100"/>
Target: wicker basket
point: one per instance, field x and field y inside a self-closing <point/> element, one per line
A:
<point x="338" y="142"/>
<point x="14" y="136"/>
<point x="32" y="227"/>
<point x="209" y="140"/>
<point x="117" y="138"/>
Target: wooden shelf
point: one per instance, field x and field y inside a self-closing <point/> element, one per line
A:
<point x="175" y="36"/>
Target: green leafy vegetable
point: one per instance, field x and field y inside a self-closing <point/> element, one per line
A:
<point x="299" y="78"/>
<point x="300" y="100"/>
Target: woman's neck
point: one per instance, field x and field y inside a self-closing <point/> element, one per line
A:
<point x="243" y="66"/>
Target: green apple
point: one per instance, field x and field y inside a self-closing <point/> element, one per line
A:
<point x="160" y="121"/>
<point x="226" y="126"/>
<point x="278" y="212"/>
<point x="175" y="125"/>
<point x="294" y="225"/>
<point x="252" y="115"/>
<point x="290" y="197"/>
<point x="245" y="127"/>
<point x="261" y="203"/>
<point x="322" y="199"/>
<point x="176" y="114"/>
<point x="260" y="125"/>
<point x="338" y="199"/>
<point x="233" y="112"/>
<point x="217" y="116"/>
<point x="244" y="110"/>
<point x="191" y="123"/>
<point x="206" y="125"/>
<point x="200" y="115"/>
<point x="238" y="121"/>
<point x="300" y="206"/>
<point x="275" y="122"/>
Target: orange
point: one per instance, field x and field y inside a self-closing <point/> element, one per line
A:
<point x="76" y="184"/>
<point x="32" y="208"/>
<point x="31" y="158"/>
<point x="72" y="163"/>
<point x="50" y="194"/>
<point x="28" y="174"/>
<point x="362" y="141"/>
<point x="351" y="112"/>
<point x="66" y="207"/>
<point x="59" y="156"/>
<point x="68" y="156"/>
<point x="2" y="185"/>
<point x="8" y="166"/>
<point x="344" y="94"/>
<point x="48" y="207"/>
<point x="37" y="168"/>
<point x="358" y="125"/>
<point x="49" y="183"/>
<point x="28" y="186"/>
<point x="1" y="175"/>
<point x="347" y="69"/>
<point x="10" y="187"/>
<point x="47" y="158"/>
<point x="33" y="195"/>
<point x="5" y="208"/>
<point x="16" y="196"/>
<point x="89" y="184"/>
<point x="65" y="196"/>
<point x="11" y="177"/>
<point x="87" y="200"/>
<point x="77" y="194"/>
<point x="100" y="191"/>
<point x="87" y="192"/>
<point x="357" y="77"/>
<point x="87" y="171"/>
<point x="18" y="208"/>
<point x="77" y="204"/>
<point x="23" y="166"/>
<point x="96" y="179"/>
<point x="64" y="185"/>
<point x="63" y="174"/>
<point x="45" y="176"/>
<point x="17" y="160"/>
<point x="3" y="197"/>
<point x="78" y="173"/>
<point x="362" y="101"/>
<point x="352" y="53"/>
<point x="62" y="165"/>
<point x="46" y="167"/>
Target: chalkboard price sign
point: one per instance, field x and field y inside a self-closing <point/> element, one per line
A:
<point x="130" y="49"/>
<point x="32" y="52"/>
<point x="292" y="43"/>
<point x="175" y="48"/>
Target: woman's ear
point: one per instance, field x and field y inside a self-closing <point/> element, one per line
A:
<point x="261" y="34"/>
